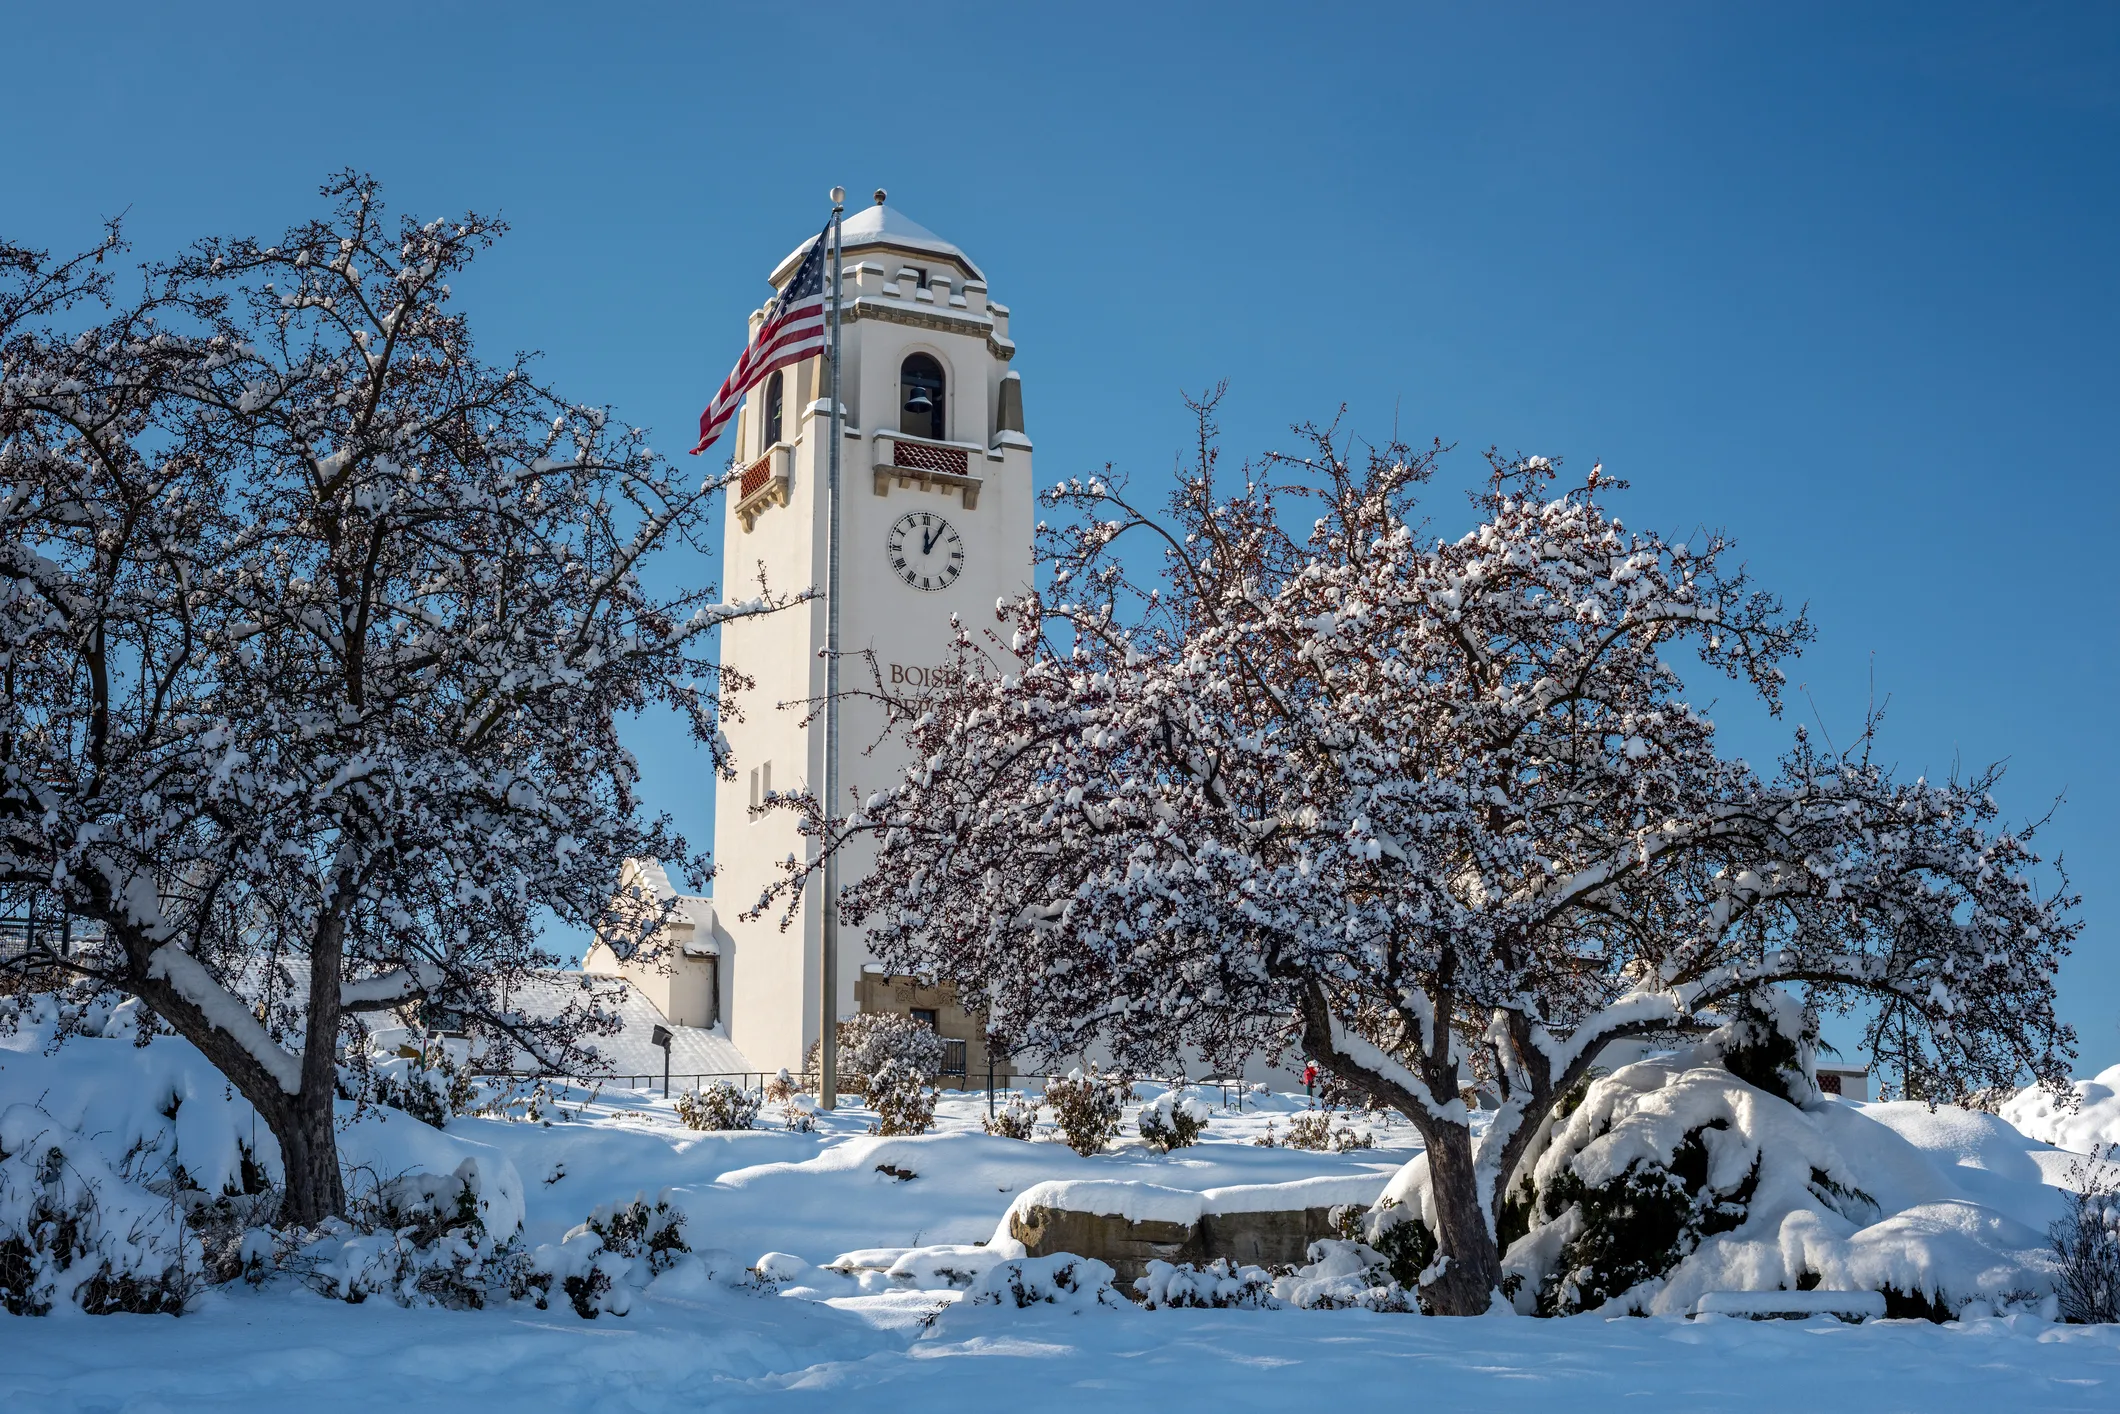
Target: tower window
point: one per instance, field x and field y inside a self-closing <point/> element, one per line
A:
<point x="920" y="390"/>
<point x="774" y="389"/>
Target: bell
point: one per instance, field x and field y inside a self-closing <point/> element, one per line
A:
<point x="920" y="401"/>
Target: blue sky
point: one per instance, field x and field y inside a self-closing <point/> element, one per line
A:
<point x="1840" y="280"/>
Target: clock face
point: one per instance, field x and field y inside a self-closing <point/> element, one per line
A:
<point x="925" y="550"/>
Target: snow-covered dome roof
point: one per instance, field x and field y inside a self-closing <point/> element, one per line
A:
<point x="881" y="225"/>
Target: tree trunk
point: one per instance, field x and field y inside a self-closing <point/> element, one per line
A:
<point x="302" y="1123"/>
<point x="1468" y="1281"/>
<point x="309" y="1151"/>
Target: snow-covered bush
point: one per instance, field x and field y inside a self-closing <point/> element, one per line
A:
<point x="1343" y="1274"/>
<point x="1315" y="1130"/>
<point x="1087" y="1107"/>
<point x="1063" y="1280"/>
<point x="420" y="1239"/>
<point x="435" y="1090"/>
<point x="1671" y="1177"/>
<point x="718" y="1104"/>
<point x="599" y="1266"/>
<point x="869" y="1040"/>
<point x="1017" y="1118"/>
<point x="781" y="1088"/>
<point x="74" y="1231"/>
<point x="899" y="1095"/>
<point x="1174" y="1120"/>
<point x="1220" y="1283"/>
<point x="2086" y="1242"/>
<point x="799" y="1114"/>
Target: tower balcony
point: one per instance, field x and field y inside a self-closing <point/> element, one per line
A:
<point x="764" y="483"/>
<point x="907" y="462"/>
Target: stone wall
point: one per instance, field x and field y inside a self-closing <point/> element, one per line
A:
<point x="1263" y="1239"/>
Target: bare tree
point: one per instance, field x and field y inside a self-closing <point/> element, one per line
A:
<point x="1436" y="812"/>
<point x="315" y="629"/>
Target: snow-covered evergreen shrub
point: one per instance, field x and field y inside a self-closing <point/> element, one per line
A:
<point x="1063" y="1280"/>
<point x="1174" y="1120"/>
<point x="1768" y="1045"/>
<point x="1674" y="1177"/>
<point x="73" y="1231"/>
<point x="2087" y="1245"/>
<point x="1087" y="1107"/>
<point x="1016" y="1119"/>
<point x="899" y="1095"/>
<point x="1314" y="1129"/>
<point x="1220" y="1283"/>
<point x="717" y="1105"/>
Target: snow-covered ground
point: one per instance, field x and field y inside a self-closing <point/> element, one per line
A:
<point x="720" y="1349"/>
<point x="855" y="1342"/>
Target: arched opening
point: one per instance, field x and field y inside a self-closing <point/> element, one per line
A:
<point x="920" y="397"/>
<point x="771" y="427"/>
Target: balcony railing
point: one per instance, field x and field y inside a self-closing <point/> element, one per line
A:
<point x="755" y="476"/>
<point x="928" y="456"/>
<point x="932" y="466"/>
<point x="764" y="483"/>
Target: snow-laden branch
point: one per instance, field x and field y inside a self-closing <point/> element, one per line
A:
<point x="225" y="1012"/>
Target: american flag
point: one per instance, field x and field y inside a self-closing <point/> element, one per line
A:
<point x="794" y="328"/>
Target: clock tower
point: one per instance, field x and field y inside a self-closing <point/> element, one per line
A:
<point x="936" y="509"/>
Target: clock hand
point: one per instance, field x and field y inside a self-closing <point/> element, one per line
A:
<point x="927" y="541"/>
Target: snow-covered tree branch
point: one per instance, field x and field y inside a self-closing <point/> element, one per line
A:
<point x="315" y="629"/>
<point x="1437" y="812"/>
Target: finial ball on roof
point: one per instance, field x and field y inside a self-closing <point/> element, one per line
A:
<point x="880" y="195"/>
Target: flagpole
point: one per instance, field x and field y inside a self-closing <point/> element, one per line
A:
<point x="828" y="961"/>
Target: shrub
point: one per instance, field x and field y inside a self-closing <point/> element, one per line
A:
<point x="2086" y="1243"/>
<point x="1314" y="1130"/>
<point x="1086" y="1107"/>
<point x="903" y="1103"/>
<point x="417" y="1239"/>
<point x="1063" y="1280"/>
<point x="1173" y="1121"/>
<point x="781" y="1088"/>
<point x="1221" y="1283"/>
<point x="868" y="1041"/>
<point x="600" y="1264"/>
<point x="435" y="1092"/>
<point x="74" y="1232"/>
<point x="1344" y="1274"/>
<point x="717" y="1105"/>
<point x="1016" y="1119"/>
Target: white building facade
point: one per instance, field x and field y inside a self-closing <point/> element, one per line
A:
<point x="936" y="513"/>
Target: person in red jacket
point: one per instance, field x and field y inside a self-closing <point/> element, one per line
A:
<point x="1310" y="1079"/>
